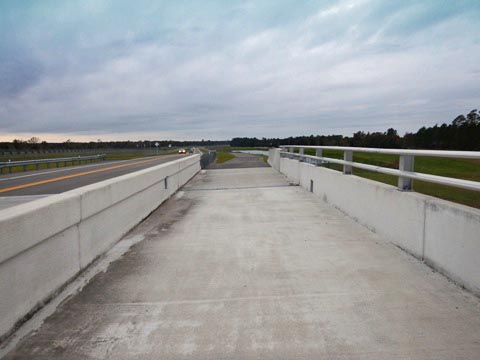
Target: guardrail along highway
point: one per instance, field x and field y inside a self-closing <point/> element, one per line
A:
<point x="23" y="164"/>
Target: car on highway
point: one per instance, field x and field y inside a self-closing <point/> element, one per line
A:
<point x="182" y="151"/>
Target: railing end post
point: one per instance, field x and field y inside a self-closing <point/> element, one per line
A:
<point x="347" y="156"/>
<point x="319" y="153"/>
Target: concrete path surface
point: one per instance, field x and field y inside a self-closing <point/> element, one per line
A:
<point x="241" y="160"/>
<point x="241" y="265"/>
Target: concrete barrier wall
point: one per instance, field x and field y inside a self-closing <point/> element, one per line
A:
<point x="444" y="234"/>
<point x="45" y="243"/>
<point x="274" y="158"/>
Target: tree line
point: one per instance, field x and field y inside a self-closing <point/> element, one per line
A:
<point x="463" y="133"/>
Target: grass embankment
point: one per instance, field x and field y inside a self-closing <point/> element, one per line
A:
<point x="455" y="168"/>
<point x="110" y="156"/>
<point x="226" y="148"/>
<point x="223" y="157"/>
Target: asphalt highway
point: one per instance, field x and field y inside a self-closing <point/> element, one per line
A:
<point x="58" y="180"/>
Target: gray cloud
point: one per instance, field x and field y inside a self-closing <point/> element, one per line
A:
<point x="238" y="70"/>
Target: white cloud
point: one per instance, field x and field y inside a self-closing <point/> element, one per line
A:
<point x="342" y="7"/>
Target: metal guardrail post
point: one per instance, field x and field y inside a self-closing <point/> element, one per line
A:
<point x="347" y="156"/>
<point x="406" y="163"/>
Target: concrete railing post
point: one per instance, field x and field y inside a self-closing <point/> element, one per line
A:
<point x="406" y="163"/>
<point x="347" y="156"/>
<point x="319" y="153"/>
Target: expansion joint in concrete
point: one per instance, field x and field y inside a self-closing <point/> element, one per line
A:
<point x="424" y="229"/>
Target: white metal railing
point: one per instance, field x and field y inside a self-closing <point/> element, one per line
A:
<point x="405" y="172"/>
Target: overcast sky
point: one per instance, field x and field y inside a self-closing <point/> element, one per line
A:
<point x="218" y="69"/>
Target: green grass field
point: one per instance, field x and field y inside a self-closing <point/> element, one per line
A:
<point x="455" y="168"/>
<point x="223" y="156"/>
<point x="226" y="148"/>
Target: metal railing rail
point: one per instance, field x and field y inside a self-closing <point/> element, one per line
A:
<point x="405" y="172"/>
<point x="37" y="162"/>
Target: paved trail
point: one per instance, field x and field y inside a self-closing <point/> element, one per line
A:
<point x="241" y="265"/>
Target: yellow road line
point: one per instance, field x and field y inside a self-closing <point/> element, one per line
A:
<point x="12" y="188"/>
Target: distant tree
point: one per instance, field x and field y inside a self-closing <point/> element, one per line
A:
<point x="473" y="117"/>
<point x="33" y="140"/>
<point x="459" y="120"/>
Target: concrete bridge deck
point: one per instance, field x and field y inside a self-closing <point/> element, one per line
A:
<point x="242" y="265"/>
